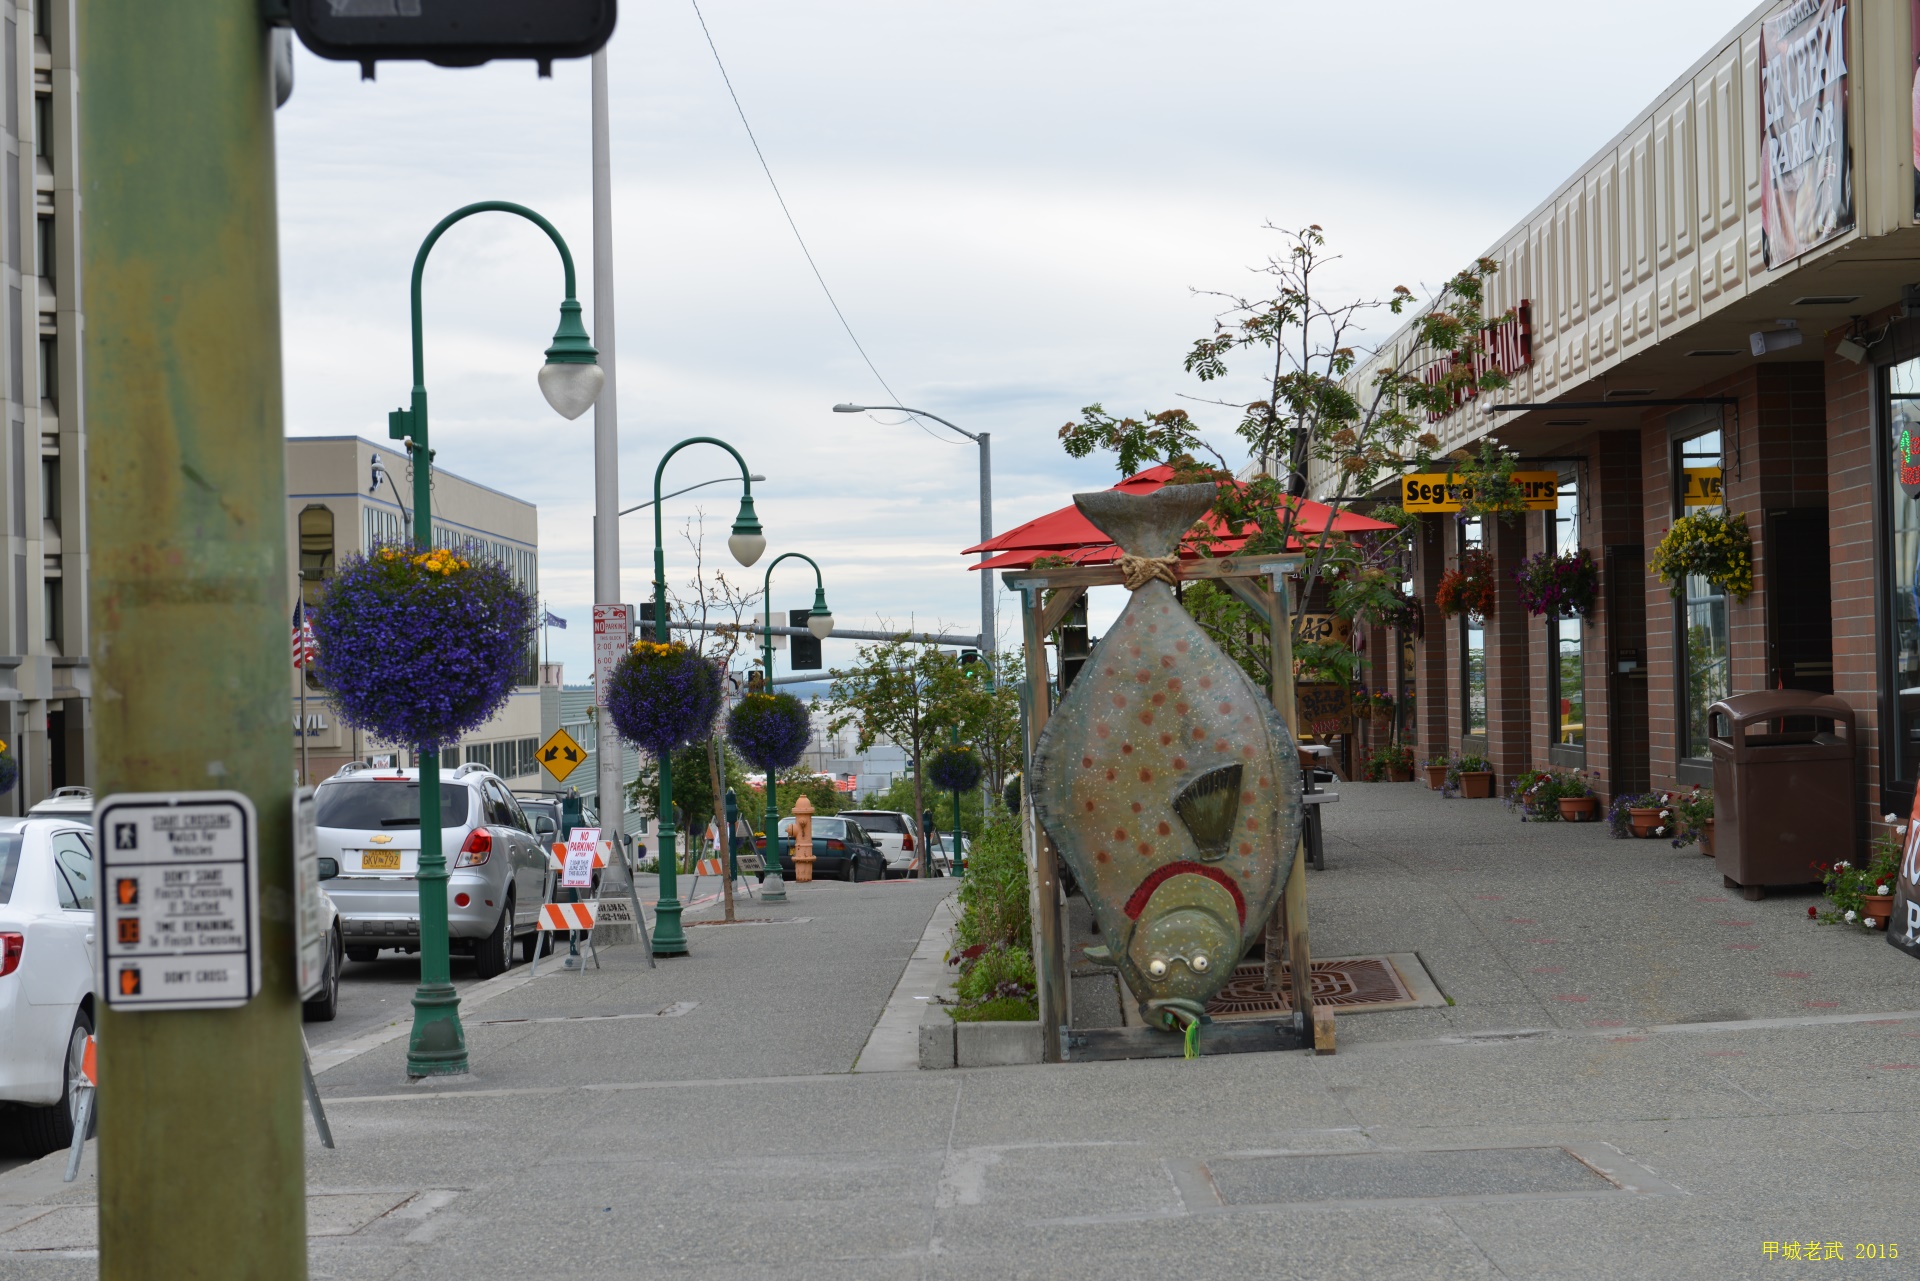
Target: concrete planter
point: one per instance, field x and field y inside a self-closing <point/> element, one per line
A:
<point x="946" y="1044"/>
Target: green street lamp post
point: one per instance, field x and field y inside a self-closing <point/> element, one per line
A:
<point x="820" y="623"/>
<point x="570" y="380"/>
<point x="746" y="542"/>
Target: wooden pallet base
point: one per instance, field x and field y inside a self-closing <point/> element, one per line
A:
<point x="1242" y="1036"/>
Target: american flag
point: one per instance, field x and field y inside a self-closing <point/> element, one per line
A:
<point x="305" y="650"/>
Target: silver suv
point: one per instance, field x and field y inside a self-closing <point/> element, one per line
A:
<point x="369" y="820"/>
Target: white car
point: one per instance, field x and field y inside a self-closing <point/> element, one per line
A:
<point x="46" y="978"/>
<point x="896" y="836"/>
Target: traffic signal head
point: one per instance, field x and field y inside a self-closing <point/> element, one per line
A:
<point x="452" y="33"/>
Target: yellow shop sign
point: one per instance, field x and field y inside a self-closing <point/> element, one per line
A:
<point x="1702" y="487"/>
<point x="1442" y="491"/>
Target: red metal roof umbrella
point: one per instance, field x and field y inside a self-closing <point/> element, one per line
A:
<point x="1067" y="533"/>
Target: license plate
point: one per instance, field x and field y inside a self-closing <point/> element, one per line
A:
<point x="380" y="860"/>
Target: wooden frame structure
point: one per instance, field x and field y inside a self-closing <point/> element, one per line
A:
<point x="1261" y="583"/>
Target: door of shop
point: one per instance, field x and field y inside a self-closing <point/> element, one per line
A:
<point x="1800" y="600"/>
<point x="1629" y="761"/>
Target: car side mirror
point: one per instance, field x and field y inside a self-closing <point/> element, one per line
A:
<point x="544" y="826"/>
<point x="329" y="868"/>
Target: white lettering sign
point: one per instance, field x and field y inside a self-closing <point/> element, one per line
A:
<point x="582" y="844"/>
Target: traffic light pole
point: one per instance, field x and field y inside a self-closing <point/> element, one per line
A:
<point x="201" y="1140"/>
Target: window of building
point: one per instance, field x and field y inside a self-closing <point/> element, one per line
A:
<point x="1900" y="650"/>
<point x="1566" y="637"/>
<point x="43" y="126"/>
<point x="50" y="490"/>
<point x="1473" y="645"/>
<point x="316" y="550"/>
<point x="54" y="598"/>
<point x="43" y="248"/>
<point x="50" y="369"/>
<point x="1705" y="658"/>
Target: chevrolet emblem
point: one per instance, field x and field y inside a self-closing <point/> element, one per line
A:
<point x="380" y="838"/>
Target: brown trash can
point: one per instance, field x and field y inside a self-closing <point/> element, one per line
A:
<point x="1782" y="786"/>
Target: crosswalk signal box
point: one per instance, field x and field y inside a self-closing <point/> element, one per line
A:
<point x="452" y="33"/>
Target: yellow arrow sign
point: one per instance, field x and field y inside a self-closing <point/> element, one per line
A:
<point x="561" y="755"/>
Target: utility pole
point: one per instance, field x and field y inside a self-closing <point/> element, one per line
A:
<point x="608" y="752"/>
<point x="201" y="1140"/>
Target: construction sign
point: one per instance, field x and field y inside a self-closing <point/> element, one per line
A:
<point x="561" y="755"/>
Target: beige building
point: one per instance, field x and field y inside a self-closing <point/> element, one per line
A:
<point x="345" y="495"/>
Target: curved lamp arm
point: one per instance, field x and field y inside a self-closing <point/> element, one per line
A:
<point x="747" y="541"/>
<point x="467" y="211"/>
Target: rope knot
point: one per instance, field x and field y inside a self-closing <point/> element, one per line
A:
<point x="1137" y="571"/>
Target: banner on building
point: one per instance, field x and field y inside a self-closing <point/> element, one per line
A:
<point x="1440" y="491"/>
<point x="1806" y="180"/>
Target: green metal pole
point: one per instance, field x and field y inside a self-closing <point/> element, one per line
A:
<point x="437" y="1045"/>
<point x="774" y="888"/>
<point x="201" y="1136"/>
<point x="669" y="937"/>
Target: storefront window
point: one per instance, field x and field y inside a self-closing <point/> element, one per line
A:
<point x="1473" y="647"/>
<point x="1903" y="568"/>
<point x="1566" y="634"/>
<point x="1706" y="662"/>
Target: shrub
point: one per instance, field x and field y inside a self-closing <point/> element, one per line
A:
<point x="1691" y="811"/>
<point x="1386" y="759"/>
<point x="1619" y="822"/>
<point x="1537" y="793"/>
<point x="997" y="983"/>
<point x="993" y="894"/>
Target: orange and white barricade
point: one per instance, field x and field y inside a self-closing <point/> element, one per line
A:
<point x="570" y="917"/>
<point x="718" y="867"/>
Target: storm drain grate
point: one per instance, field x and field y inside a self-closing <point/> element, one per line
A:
<point x="1376" y="1176"/>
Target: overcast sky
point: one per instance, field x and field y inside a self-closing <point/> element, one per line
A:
<point x="1011" y="202"/>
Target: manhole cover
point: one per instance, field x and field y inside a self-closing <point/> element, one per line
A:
<point x="1355" y="981"/>
<point x="1373" y="1176"/>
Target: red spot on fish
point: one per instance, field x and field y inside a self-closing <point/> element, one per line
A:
<point x="1086" y="762"/>
<point x="1101" y="856"/>
<point x="1143" y="677"/>
<point x="1166" y="660"/>
<point x="1181" y="707"/>
<point x="1119" y="833"/>
<point x="1173" y="683"/>
<point x="1253" y="825"/>
<point x="1089" y="807"/>
<point x="1111" y="776"/>
<point x="1146" y="850"/>
<point x="1107" y="671"/>
<point x="1100" y="729"/>
<point x="1247" y="751"/>
<point x="1220" y="745"/>
<point x="1146" y="717"/>
<point x="1182" y="646"/>
<point x="1146" y="776"/>
<point x="1199" y="735"/>
<point x="1225" y="708"/>
<point x="1153" y="627"/>
<point x="1166" y="740"/>
<point x="1246" y="847"/>
<point x="1126" y="749"/>
<point x="1119" y="700"/>
<point x="1136" y="807"/>
<point x="1206" y="682"/>
<point x="1158" y="700"/>
<point x="1134" y="650"/>
<point x="1264" y="782"/>
<point x="1179" y="762"/>
<point x="1165" y="830"/>
<point x="1246" y="798"/>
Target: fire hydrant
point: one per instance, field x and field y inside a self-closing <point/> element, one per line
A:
<point x="803" y="840"/>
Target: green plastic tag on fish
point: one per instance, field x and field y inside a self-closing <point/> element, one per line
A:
<point x="1193" y="1039"/>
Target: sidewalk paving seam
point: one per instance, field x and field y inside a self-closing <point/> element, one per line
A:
<point x="894" y="1044"/>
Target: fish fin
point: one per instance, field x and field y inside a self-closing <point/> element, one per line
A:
<point x="1208" y="806"/>
<point x="1098" y="954"/>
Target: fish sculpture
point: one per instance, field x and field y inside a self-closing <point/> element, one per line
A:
<point x="1166" y="778"/>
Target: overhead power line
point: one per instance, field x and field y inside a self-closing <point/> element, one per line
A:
<point x="794" y="226"/>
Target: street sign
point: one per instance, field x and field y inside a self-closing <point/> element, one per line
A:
<point x="561" y="755"/>
<point x="612" y="638"/>
<point x="582" y="844"/>
<point x="180" y="907"/>
<point x="452" y="33"/>
<point x="309" y="908"/>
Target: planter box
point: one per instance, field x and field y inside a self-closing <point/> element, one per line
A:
<point x="1579" y="809"/>
<point x="1399" y="776"/>
<point x="1436" y="776"/>
<point x="1476" y="785"/>
<point x="1645" y="822"/>
<point x="996" y="1044"/>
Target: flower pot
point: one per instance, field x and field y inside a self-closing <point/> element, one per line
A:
<point x="1579" y="809"/>
<point x="1436" y="777"/>
<point x="1476" y="785"/>
<point x="1399" y="775"/>
<point x="1877" y="908"/>
<point x="1645" y="822"/>
<point x="1706" y="838"/>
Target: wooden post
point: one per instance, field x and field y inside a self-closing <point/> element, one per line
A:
<point x="1049" y="938"/>
<point x="1290" y="918"/>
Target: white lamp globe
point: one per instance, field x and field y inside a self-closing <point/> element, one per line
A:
<point x="571" y="388"/>
<point x="821" y="625"/>
<point x="746" y="548"/>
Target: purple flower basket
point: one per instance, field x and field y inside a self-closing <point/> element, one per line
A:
<point x="420" y="648"/>
<point x="770" y="730"/>
<point x="663" y="697"/>
<point x="954" y="769"/>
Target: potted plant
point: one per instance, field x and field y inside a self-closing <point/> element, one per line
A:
<point x="1473" y="775"/>
<point x="1439" y="769"/>
<point x="1558" y="586"/>
<point x="1693" y="819"/>
<point x="771" y="730"/>
<point x="1714" y="545"/>
<point x="1392" y="763"/>
<point x="1526" y="792"/>
<point x="1862" y="896"/>
<point x="663" y="697"/>
<point x="1638" y="814"/>
<point x="1574" y="797"/>
<point x="1470" y="589"/>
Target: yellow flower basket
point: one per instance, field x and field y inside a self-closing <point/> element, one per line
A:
<point x="1714" y="546"/>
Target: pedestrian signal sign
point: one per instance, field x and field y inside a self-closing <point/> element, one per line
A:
<point x="561" y="755"/>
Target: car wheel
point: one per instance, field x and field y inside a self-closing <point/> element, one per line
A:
<point x="846" y="871"/>
<point x="326" y="1003"/>
<point x="529" y="946"/>
<point x="363" y="955"/>
<point x="38" y="1131"/>
<point x="493" y="955"/>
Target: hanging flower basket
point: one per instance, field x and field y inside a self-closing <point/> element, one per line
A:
<point x="770" y="730"/>
<point x="954" y="769"/>
<point x="420" y="647"/>
<point x="1714" y="546"/>
<point x="9" y="770"/>
<point x="1470" y="589"/>
<point x="1559" y="586"/>
<point x="663" y="697"/>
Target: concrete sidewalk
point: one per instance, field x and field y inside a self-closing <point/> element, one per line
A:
<point x="702" y="1121"/>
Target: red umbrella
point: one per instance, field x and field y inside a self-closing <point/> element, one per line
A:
<point x="1067" y="533"/>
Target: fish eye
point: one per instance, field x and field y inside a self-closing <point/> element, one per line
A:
<point x="1157" y="968"/>
<point x="1200" y="963"/>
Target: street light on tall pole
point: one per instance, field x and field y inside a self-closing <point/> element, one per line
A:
<point x="746" y="542"/>
<point x="820" y="623"/>
<point x="570" y="380"/>
<point x="982" y="439"/>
